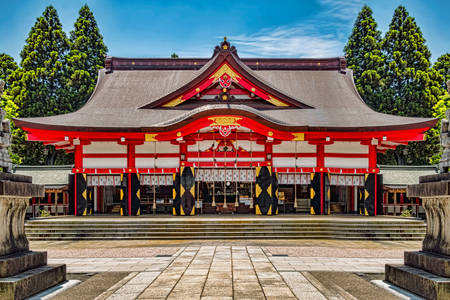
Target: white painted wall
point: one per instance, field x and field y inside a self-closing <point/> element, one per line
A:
<point x="289" y="162"/>
<point x="204" y="145"/>
<point x="283" y="162"/>
<point x="106" y="163"/>
<point x="344" y="162"/>
<point x="289" y="147"/>
<point x="104" y="147"/>
<point x="161" y="147"/>
<point x="347" y="147"/>
<point x="161" y="162"/>
<point x="308" y="162"/>
<point x="246" y="145"/>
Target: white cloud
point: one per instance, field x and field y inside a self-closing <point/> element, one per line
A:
<point x="286" y="42"/>
<point x="341" y="9"/>
<point x="319" y="36"/>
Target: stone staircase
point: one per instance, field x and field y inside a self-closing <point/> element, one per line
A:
<point x="221" y="227"/>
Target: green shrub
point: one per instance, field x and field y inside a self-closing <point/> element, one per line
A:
<point x="406" y="213"/>
<point x="44" y="213"/>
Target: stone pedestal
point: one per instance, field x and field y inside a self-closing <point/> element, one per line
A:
<point x="427" y="272"/>
<point x="22" y="272"/>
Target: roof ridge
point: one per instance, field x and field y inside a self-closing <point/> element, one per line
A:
<point x="113" y="63"/>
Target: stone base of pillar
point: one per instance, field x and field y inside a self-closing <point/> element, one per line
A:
<point x="424" y="273"/>
<point x="427" y="272"/>
<point x="25" y="274"/>
<point x="22" y="272"/>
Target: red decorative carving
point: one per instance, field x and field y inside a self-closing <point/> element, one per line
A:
<point x="225" y="81"/>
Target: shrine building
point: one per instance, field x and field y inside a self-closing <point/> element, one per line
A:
<point x="225" y="135"/>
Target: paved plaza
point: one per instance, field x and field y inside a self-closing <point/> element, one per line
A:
<point x="287" y="269"/>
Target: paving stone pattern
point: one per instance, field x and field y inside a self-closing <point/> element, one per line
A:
<point x="223" y="272"/>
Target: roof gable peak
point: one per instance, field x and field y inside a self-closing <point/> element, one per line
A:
<point x="226" y="71"/>
<point x="225" y="47"/>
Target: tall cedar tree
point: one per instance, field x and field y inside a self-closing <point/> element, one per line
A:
<point x="439" y="112"/>
<point x="364" y="57"/>
<point x="86" y="56"/>
<point x="411" y="87"/>
<point x="7" y="67"/>
<point x="443" y="66"/>
<point x="38" y="87"/>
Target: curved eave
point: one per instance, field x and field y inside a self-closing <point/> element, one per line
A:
<point x="425" y="125"/>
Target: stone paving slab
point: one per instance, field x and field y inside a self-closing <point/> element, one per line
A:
<point x="226" y="272"/>
<point x="292" y="247"/>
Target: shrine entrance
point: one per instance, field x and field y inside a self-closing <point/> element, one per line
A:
<point x="225" y="191"/>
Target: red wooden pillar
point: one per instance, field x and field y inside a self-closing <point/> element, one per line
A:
<point x="78" y="165"/>
<point x="131" y="164"/>
<point x="131" y="156"/>
<point x="372" y="156"/>
<point x="129" y="193"/>
<point x="268" y="149"/>
<point x="78" y="157"/>
<point x="75" y="193"/>
<point x="320" y="163"/>
<point x="373" y="165"/>
<point x="320" y="160"/>
<point x="321" y="194"/>
<point x="49" y="198"/>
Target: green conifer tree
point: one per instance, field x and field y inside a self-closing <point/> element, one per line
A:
<point x="364" y="57"/>
<point x="439" y="112"/>
<point x="86" y="56"/>
<point x="443" y="66"/>
<point x="38" y="86"/>
<point x="7" y="66"/>
<point x="411" y="87"/>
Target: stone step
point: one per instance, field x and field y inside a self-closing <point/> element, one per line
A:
<point x="218" y="226"/>
<point x="172" y="226"/>
<point x="218" y="235"/>
<point x="428" y="261"/>
<point x="217" y="220"/>
<point x="236" y="228"/>
<point x="31" y="282"/>
<point x="205" y="237"/>
<point x="419" y="281"/>
<point x="255" y="224"/>
<point x="222" y="231"/>
<point x="13" y="264"/>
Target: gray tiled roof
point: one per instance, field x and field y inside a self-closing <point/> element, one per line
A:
<point x="401" y="176"/>
<point x="117" y="102"/>
<point x="50" y="176"/>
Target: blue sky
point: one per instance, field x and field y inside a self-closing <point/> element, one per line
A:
<point x="192" y="28"/>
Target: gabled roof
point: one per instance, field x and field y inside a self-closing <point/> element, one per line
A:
<point x="320" y="92"/>
<point x="225" y="67"/>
